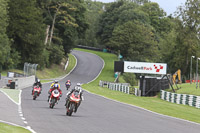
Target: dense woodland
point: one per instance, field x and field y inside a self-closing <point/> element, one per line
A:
<point x="44" y="31"/>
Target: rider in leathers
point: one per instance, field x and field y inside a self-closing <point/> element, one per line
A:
<point x="37" y="83"/>
<point x="54" y="86"/>
<point x="76" y="88"/>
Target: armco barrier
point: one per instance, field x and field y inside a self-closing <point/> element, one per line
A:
<point x="185" y="99"/>
<point x="123" y="87"/>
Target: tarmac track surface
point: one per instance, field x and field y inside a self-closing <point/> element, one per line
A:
<point x="95" y="114"/>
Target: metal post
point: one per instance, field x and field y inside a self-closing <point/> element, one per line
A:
<point x="35" y="68"/>
<point x="32" y="69"/>
<point x="28" y="69"/>
<point x="25" y="68"/>
<point x="144" y="86"/>
<point x="197" y="74"/>
<point x="191" y="70"/>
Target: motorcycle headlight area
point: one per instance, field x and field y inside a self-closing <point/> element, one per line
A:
<point x="74" y="99"/>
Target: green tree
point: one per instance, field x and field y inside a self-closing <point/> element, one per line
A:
<point x="188" y="34"/>
<point x="108" y="21"/>
<point x="4" y="41"/>
<point x="93" y="14"/>
<point x="67" y="21"/>
<point x="135" y="41"/>
<point x="132" y="15"/>
<point x="27" y="30"/>
<point x="56" y="54"/>
<point x="155" y="14"/>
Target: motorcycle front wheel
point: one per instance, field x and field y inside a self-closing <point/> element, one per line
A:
<point x="34" y="96"/>
<point x="71" y="108"/>
<point x="52" y="103"/>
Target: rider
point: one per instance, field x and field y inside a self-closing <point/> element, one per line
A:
<point x="68" y="82"/>
<point x="37" y="82"/>
<point x="78" y="89"/>
<point x="54" y="86"/>
<point x="55" y="82"/>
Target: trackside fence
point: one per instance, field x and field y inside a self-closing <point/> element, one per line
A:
<point x="123" y="87"/>
<point x="185" y="99"/>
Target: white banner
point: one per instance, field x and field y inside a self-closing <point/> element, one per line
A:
<point x="145" y="67"/>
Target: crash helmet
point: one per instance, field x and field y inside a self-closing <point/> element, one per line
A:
<point x="56" y="86"/>
<point x="55" y="81"/>
<point x="78" y="84"/>
<point x="38" y="80"/>
<point x="68" y="80"/>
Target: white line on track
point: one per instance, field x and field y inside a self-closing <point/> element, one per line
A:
<point x="9" y="97"/>
<point x="19" y="111"/>
<point x="20" y="108"/>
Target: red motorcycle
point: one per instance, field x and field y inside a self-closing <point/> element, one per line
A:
<point x="73" y="103"/>
<point x="55" y="96"/>
<point x="36" y="92"/>
<point x="67" y="85"/>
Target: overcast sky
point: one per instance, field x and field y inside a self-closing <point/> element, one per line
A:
<point x="168" y="6"/>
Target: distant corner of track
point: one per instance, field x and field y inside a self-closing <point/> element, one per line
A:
<point x="101" y="68"/>
<point x="66" y="74"/>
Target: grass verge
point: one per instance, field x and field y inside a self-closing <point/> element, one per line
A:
<point x="12" y="93"/>
<point x="5" y="128"/>
<point x="187" y="88"/>
<point x="154" y="104"/>
<point x="56" y="71"/>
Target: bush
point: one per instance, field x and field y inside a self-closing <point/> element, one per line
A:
<point x="56" y="54"/>
<point x="130" y="78"/>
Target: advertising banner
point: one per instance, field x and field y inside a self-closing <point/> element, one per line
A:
<point x="145" y="67"/>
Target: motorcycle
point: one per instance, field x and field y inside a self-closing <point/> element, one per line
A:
<point x="36" y="92"/>
<point x="67" y="85"/>
<point x="55" y="96"/>
<point x="73" y="103"/>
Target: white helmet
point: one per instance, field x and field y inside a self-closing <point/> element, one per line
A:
<point x="55" y="81"/>
<point x="78" y="84"/>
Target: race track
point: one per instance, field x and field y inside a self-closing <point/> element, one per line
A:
<point x="96" y="114"/>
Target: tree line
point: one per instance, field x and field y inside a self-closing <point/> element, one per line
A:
<point x="44" y="31"/>
<point x="142" y="31"/>
<point x="39" y="31"/>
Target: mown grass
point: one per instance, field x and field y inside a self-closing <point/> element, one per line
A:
<point x="5" y="128"/>
<point x="187" y="88"/>
<point x="154" y="104"/>
<point x="13" y="93"/>
<point x="56" y="71"/>
<point x="4" y="73"/>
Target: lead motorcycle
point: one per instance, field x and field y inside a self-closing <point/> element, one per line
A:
<point x="73" y="103"/>
<point x="36" y="92"/>
<point x="55" y="96"/>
